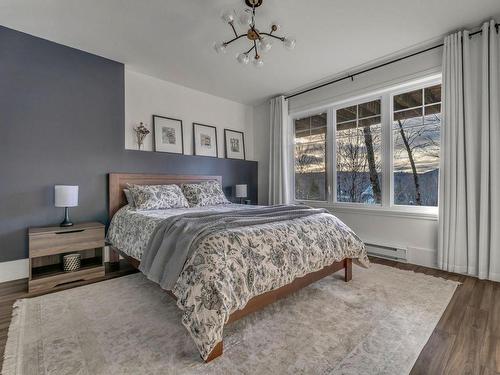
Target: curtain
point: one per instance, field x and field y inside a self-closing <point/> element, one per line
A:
<point x="278" y="159"/>
<point x="469" y="207"/>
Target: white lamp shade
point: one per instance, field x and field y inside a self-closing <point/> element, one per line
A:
<point x="241" y="191"/>
<point x="66" y="195"/>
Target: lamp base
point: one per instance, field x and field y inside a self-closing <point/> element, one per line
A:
<point x="66" y="222"/>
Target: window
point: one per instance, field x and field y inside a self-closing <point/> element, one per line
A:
<point x="358" y="145"/>
<point x="382" y="151"/>
<point x="416" y="128"/>
<point x="310" y="157"/>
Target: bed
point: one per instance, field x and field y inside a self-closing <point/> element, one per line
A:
<point x="237" y="271"/>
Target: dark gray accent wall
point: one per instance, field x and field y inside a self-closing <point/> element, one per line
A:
<point x="62" y="122"/>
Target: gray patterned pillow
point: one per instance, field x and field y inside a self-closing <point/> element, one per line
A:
<point x="207" y="193"/>
<point x="157" y="197"/>
<point x="129" y="198"/>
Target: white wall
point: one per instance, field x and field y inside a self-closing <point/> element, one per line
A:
<point x="393" y="74"/>
<point x="416" y="233"/>
<point x="146" y="96"/>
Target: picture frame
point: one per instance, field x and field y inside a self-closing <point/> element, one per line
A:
<point x="168" y="135"/>
<point x="205" y="140"/>
<point x="234" y="141"/>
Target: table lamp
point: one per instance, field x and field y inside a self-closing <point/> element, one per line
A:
<point x="66" y="196"/>
<point x="241" y="192"/>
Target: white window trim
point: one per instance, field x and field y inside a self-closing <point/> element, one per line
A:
<point x="367" y="98"/>
<point x="387" y="208"/>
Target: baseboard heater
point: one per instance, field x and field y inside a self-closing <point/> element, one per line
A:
<point x="387" y="252"/>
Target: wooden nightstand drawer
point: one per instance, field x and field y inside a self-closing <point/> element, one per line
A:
<point x="65" y="241"/>
<point x="55" y="240"/>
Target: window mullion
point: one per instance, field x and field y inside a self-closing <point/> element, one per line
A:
<point x="387" y="180"/>
<point x="331" y="162"/>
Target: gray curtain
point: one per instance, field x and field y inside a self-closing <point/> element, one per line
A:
<point x="279" y="188"/>
<point x="469" y="207"/>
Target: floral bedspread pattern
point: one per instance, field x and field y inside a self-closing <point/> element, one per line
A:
<point x="131" y="228"/>
<point x="231" y="267"/>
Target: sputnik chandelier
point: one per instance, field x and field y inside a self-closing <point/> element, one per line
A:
<point x="260" y="41"/>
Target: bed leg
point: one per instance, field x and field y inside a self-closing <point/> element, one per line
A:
<point x="216" y="352"/>
<point x="348" y="269"/>
<point x="114" y="256"/>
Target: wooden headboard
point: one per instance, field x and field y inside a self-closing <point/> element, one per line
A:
<point x="119" y="181"/>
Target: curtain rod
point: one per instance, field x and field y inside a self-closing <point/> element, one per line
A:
<point x="351" y="76"/>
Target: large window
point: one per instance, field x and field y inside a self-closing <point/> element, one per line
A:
<point x="416" y="126"/>
<point x="358" y="145"/>
<point x="310" y="158"/>
<point x="381" y="151"/>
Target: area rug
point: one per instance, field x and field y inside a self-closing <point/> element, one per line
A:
<point x="376" y="324"/>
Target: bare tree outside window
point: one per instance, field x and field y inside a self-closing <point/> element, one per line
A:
<point x="358" y="153"/>
<point x="415" y="123"/>
<point x="416" y="134"/>
<point x="310" y="158"/>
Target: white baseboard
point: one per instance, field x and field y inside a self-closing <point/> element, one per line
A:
<point x="14" y="270"/>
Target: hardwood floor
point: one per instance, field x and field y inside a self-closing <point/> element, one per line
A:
<point x="465" y="341"/>
<point x="467" y="338"/>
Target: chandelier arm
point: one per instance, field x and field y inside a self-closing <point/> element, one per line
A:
<point x="256" y="52"/>
<point x="232" y="27"/>
<point x="232" y="40"/>
<point x="274" y="36"/>
<point x="250" y="50"/>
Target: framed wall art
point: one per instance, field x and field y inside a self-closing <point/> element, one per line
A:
<point x="235" y="144"/>
<point x="168" y="134"/>
<point x="205" y="140"/>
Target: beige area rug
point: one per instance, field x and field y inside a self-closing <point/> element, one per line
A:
<point x="376" y="324"/>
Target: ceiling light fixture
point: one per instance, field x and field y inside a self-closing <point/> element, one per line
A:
<point x="261" y="41"/>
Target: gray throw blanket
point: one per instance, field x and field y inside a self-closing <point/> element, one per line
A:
<point x="174" y="239"/>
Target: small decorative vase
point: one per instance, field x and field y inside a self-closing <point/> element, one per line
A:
<point x="141" y="132"/>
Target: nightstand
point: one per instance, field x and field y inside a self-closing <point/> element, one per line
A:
<point x="48" y="245"/>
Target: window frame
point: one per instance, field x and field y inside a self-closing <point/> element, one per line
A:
<point x="387" y="206"/>
<point x="291" y="151"/>
<point x="401" y="90"/>
<point x="335" y="108"/>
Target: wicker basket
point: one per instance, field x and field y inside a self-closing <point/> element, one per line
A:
<point x="71" y="262"/>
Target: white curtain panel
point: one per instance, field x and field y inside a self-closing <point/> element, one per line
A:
<point x="279" y="188"/>
<point x="469" y="206"/>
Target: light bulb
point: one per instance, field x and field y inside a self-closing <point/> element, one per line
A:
<point x="228" y="16"/>
<point x="289" y="43"/>
<point x="245" y="19"/>
<point x="265" y="44"/>
<point x="220" y="47"/>
<point x="275" y="26"/>
<point x="258" y="63"/>
<point x="243" y="58"/>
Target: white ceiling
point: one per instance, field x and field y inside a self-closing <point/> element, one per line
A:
<point x="172" y="39"/>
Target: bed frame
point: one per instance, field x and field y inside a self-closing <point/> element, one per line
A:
<point x="118" y="181"/>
